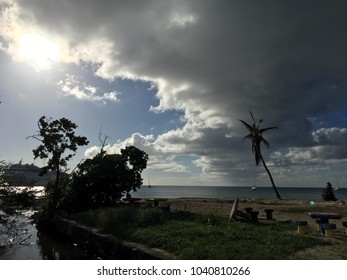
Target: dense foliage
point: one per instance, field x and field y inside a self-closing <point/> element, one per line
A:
<point x="328" y="193"/>
<point x="103" y="179"/>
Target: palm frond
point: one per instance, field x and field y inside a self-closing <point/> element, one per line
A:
<point x="252" y="117"/>
<point x="266" y="143"/>
<point x="267" y="128"/>
<point x="256" y="136"/>
<point x="248" y="126"/>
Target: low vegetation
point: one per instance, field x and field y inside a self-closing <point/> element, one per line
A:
<point x="196" y="236"/>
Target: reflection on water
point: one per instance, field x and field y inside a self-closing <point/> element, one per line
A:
<point x="31" y="244"/>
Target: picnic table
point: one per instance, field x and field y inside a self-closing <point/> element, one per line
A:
<point x="156" y="201"/>
<point x="324" y="218"/>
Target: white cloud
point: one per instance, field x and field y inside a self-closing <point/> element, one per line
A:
<point x="330" y="135"/>
<point x="140" y="141"/>
<point x="73" y="87"/>
<point x="182" y="20"/>
<point x="170" y="167"/>
<point x="92" y="151"/>
<point x="178" y="141"/>
<point x="159" y="157"/>
<point x="302" y="156"/>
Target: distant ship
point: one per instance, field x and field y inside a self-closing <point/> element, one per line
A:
<point x="26" y="175"/>
<point x="254" y="188"/>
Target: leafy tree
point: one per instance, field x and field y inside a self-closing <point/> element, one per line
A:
<point x="256" y="137"/>
<point x="104" y="179"/>
<point x="328" y="193"/>
<point x="58" y="144"/>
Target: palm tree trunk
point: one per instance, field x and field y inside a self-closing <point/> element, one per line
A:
<point x="271" y="179"/>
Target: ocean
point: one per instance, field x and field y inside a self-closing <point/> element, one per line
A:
<point x="226" y="192"/>
<point x="232" y="192"/>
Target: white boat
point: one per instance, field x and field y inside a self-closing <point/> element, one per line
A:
<point x="149" y="183"/>
<point x="336" y="183"/>
<point x="254" y="188"/>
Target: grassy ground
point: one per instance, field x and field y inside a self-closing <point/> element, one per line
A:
<point x="206" y="236"/>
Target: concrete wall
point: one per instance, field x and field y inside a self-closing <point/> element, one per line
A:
<point x="106" y="245"/>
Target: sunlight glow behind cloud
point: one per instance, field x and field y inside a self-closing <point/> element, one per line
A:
<point x="38" y="51"/>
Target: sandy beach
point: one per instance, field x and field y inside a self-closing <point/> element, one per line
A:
<point x="284" y="210"/>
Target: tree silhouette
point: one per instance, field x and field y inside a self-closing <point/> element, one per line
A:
<point x="256" y="137"/>
<point x="102" y="180"/>
<point x="56" y="137"/>
<point x="328" y="193"/>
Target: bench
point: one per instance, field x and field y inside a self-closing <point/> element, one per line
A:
<point x="302" y="227"/>
<point x="329" y="230"/>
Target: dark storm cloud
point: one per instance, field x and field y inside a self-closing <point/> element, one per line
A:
<point x="284" y="60"/>
<point x="275" y="55"/>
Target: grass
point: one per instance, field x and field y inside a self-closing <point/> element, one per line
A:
<point x="195" y="236"/>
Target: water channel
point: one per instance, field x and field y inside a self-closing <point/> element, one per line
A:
<point x="32" y="244"/>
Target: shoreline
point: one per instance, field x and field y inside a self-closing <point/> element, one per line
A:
<point x="231" y="192"/>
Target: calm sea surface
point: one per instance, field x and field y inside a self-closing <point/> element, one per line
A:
<point x="227" y="192"/>
<point x="232" y="192"/>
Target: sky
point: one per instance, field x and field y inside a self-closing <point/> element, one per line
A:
<point x="175" y="77"/>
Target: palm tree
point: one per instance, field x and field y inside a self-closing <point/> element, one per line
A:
<point x="256" y="136"/>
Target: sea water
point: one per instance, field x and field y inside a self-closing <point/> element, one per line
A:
<point x="227" y="192"/>
<point x="232" y="192"/>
